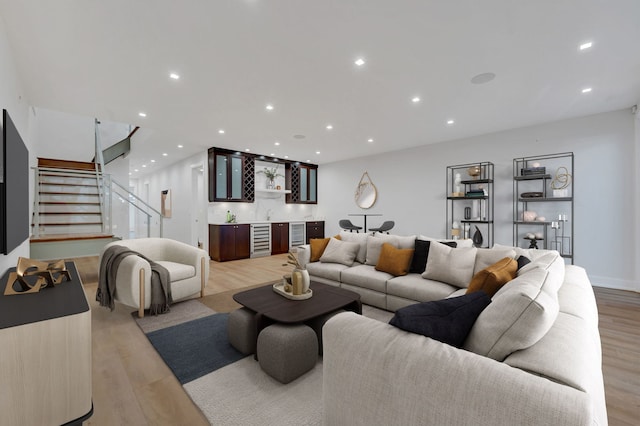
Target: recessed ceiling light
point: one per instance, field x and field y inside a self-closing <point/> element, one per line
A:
<point x="586" y="90"/>
<point x="308" y="161"/>
<point x="485" y="77"/>
<point x="329" y="126"/>
<point x="318" y="152"/>
<point x="277" y="143"/>
<point x="286" y="156"/>
<point x="174" y="76"/>
<point x="153" y="161"/>
<point x="269" y="107"/>
<point x="586" y="45"/>
<point x="135" y="170"/>
<point x="130" y="173"/>
<point x="221" y="131"/>
<point x="144" y="165"/>
<point x="369" y="140"/>
<point x="180" y="146"/>
<point x="142" y="114"/>
<point x="164" y="154"/>
<point x="359" y="62"/>
<point x="450" y="122"/>
<point x="247" y="149"/>
<point x="415" y="99"/>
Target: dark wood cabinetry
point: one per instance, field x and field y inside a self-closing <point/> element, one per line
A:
<point x="229" y="242"/>
<point x="279" y="238"/>
<point x="231" y="176"/>
<point x="315" y="230"/>
<point x="303" y="181"/>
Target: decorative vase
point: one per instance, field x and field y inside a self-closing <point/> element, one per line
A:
<point x="300" y="281"/>
<point x="477" y="238"/>
<point x="270" y="184"/>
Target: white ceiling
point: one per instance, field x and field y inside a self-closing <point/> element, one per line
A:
<point x="112" y="59"/>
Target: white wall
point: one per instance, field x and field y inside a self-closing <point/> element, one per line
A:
<point x="411" y="187"/>
<point x="12" y="99"/>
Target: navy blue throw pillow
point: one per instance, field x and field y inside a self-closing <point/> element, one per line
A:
<point x="447" y="320"/>
<point x="421" y="252"/>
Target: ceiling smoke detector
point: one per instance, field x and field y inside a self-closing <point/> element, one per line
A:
<point x="483" y="78"/>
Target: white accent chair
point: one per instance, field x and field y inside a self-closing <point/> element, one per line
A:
<point x="188" y="267"/>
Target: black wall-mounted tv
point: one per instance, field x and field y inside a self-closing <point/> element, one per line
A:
<point x="14" y="188"/>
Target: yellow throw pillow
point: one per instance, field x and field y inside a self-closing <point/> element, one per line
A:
<point x="317" y="248"/>
<point x="492" y="278"/>
<point x="393" y="260"/>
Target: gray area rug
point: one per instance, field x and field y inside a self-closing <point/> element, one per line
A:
<point x="233" y="390"/>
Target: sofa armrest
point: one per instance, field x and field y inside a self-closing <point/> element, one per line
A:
<point x="303" y="253"/>
<point x="374" y="373"/>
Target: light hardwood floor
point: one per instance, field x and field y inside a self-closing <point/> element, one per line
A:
<point x="133" y="386"/>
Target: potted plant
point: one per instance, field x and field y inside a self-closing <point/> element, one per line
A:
<point x="271" y="173"/>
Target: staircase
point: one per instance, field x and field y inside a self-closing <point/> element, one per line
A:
<point x="68" y="218"/>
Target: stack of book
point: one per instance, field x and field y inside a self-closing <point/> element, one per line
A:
<point x="475" y="193"/>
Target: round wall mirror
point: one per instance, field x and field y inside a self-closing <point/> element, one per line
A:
<point x="366" y="192"/>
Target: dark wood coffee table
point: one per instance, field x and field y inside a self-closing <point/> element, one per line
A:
<point x="271" y="307"/>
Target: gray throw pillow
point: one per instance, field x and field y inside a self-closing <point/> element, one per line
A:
<point x="450" y="265"/>
<point x="338" y="251"/>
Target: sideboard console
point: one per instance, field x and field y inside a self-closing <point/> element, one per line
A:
<point x="45" y="354"/>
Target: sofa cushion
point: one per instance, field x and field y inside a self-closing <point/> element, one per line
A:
<point x="520" y="315"/>
<point x="338" y="251"/>
<point x="394" y="260"/>
<point x="405" y="242"/>
<point x="317" y="246"/>
<point x="448" y="320"/>
<point x="493" y="277"/>
<point x="374" y="245"/>
<point x="420" y="254"/>
<point x="330" y="271"/>
<point x="414" y="287"/>
<point x="486" y="257"/>
<point x="468" y="243"/>
<point x="450" y="265"/>
<point x="178" y="271"/>
<point x="361" y="239"/>
<point x="365" y="276"/>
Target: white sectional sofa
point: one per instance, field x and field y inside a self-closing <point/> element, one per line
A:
<point x="532" y="357"/>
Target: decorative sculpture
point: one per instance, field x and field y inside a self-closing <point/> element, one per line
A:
<point x="33" y="275"/>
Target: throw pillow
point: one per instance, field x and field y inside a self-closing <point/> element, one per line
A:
<point x="317" y="248"/>
<point x="448" y="321"/>
<point x="357" y="237"/>
<point x="374" y="245"/>
<point x="522" y="260"/>
<point x="338" y="251"/>
<point x="520" y="314"/>
<point x="420" y="254"/>
<point x="493" y="277"/>
<point x="393" y="260"/>
<point x="450" y="265"/>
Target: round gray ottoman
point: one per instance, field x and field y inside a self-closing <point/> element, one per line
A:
<point x="286" y="352"/>
<point x="241" y="330"/>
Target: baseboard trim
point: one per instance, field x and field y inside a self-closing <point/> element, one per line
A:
<point x="614" y="283"/>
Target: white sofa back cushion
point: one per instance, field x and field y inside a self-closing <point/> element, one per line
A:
<point x="487" y="257"/>
<point x="450" y="265"/>
<point x="374" y="246"/>
<point x="459" y="243"/>
<point x="520" y="313"/>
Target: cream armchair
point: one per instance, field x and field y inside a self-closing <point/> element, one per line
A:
<point x="188" y="267"/>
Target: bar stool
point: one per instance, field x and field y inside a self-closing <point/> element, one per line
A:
<point x="385" y="227"/>
<point x="348" y="226"/>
